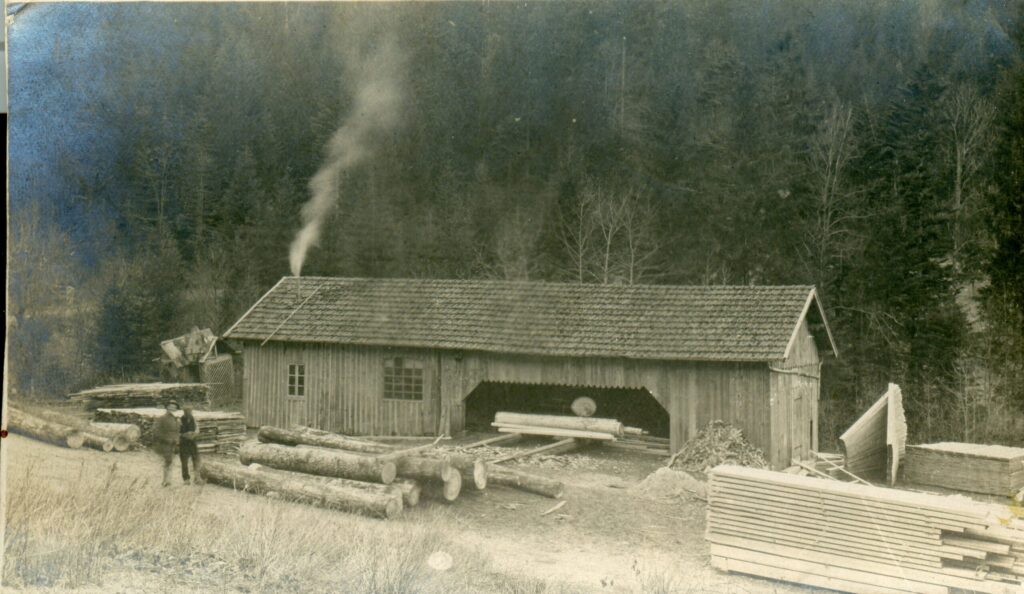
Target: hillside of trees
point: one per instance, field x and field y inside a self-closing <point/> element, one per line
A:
<point x="161" y="156"/>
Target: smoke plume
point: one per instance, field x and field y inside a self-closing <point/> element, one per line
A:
<point x="375" y="109"/>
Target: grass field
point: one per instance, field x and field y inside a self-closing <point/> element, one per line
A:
<point x="92" y="522"/>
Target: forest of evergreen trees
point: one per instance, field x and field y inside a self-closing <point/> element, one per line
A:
<point x="161" y="155"/>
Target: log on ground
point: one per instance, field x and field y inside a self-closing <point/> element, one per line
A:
<point x="43" y="430"/>
<point x="316" y="437"/>
<point x="447" y="489"/>
<point x="497" y="475"/>
<point x="98" y="442"/>
<point x="125" y="432"/>
<point x="423" y="468"/>
<point x="334" y="463"/>
<point x="295" y="487"/>
<point x="472" y="468"/>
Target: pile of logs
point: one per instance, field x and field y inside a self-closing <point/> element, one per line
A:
<point x="219" y="431"/>
<point x="143" y="395"/>
<point x="358" y="475"/>
<point x="68" y="431"/>
<point x="992" y="469"/>
<point x="860" y="538"/>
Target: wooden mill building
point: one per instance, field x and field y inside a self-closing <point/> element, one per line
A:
<point x="400" y="357"/>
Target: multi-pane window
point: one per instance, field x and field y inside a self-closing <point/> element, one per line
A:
<point x="403" y="379"/>
<point x="296" y="380"/>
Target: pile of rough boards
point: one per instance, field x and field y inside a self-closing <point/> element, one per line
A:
<point x="574" y="431"/>
<point x="359" y="475"/>
<point x="860" y="538"/>
<point x="992" y="469"/>
<point x="219" y="431"/>
<point x="143" y="395"/>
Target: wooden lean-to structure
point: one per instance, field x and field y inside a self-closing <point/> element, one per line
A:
<point x="874" y="445"/>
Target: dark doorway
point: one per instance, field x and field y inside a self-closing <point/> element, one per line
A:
<point x="632" y="406"/>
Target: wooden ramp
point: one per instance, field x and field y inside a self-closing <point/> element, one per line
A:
<point x="860" y="538"/>
<point x="874" y="445"/>
<point x="992" y="469"/>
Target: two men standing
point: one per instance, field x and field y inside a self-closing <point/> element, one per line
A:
<point x="168" y="433"/>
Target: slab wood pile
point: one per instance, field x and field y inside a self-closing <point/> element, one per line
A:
<point x="46" y="430"/>
<point x="992" y="469"/>
<point x="143" y="395"/>
<point x="219" y="431"/>
<point x="860" y="538"/>
<point x="365" y="499"/>
<point x="874" y="444"/>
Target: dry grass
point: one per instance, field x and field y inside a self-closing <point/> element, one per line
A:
<point x="64" y="538"/>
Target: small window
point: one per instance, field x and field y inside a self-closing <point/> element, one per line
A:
<point x="403" y="379"/>
<point x="296" y="380"/>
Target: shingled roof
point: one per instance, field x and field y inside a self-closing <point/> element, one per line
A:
<point x="706" y="323"/>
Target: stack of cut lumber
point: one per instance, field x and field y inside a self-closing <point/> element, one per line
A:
<point x="992" y="469"/>
<point x="860" y="538"/>
<point x="644" y="444"/>
<point x="143" y="395"/>
<point x="562" y="426"/>
<point x="219" y="431"/>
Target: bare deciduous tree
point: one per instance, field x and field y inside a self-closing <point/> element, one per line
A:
<point x="968" y="119"/>
<point x="831" y="236"/>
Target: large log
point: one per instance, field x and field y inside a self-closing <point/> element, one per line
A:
<point x="497" y="475"/>
<point x="98" y="442"/>
<point x="318" y="461"/>
<point x="122" y="434"/>
<point x="609" y="426"/>
<point x="315" y="437"/>
<point x="447" y="489"/>
<point x="472" y="469"/>
<point x="295" y="487"/>
<point x="410" y="491"/>
<point x="41" y="429"/>
<point x="392" y="490"/>
<point x="423" y="468"/>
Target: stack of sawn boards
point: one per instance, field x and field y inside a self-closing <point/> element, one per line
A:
<point x="992" y="469"/>
<point x="860" y="538"/>
<point x="140" y="395"/>
<point x="219" y="431"/>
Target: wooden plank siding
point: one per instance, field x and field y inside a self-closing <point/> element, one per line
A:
<point x="344" y="388"/>
<point x="795" y="390"/>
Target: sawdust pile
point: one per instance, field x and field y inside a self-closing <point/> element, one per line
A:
<point x="666" y="483"/>
<point x="718" y="443"/>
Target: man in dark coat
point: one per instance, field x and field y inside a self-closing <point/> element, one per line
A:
<point x="165" y="437"/>
<point x="187" y="447"/>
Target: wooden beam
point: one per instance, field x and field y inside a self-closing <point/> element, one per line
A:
<point x="562" y="446"/>
<point x="505" y="439"/>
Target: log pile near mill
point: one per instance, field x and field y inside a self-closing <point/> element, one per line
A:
<point x="359" y="475"/>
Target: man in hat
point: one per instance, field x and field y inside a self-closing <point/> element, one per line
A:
<point x="187" y="447"/>
<point x="165" y="437"/>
